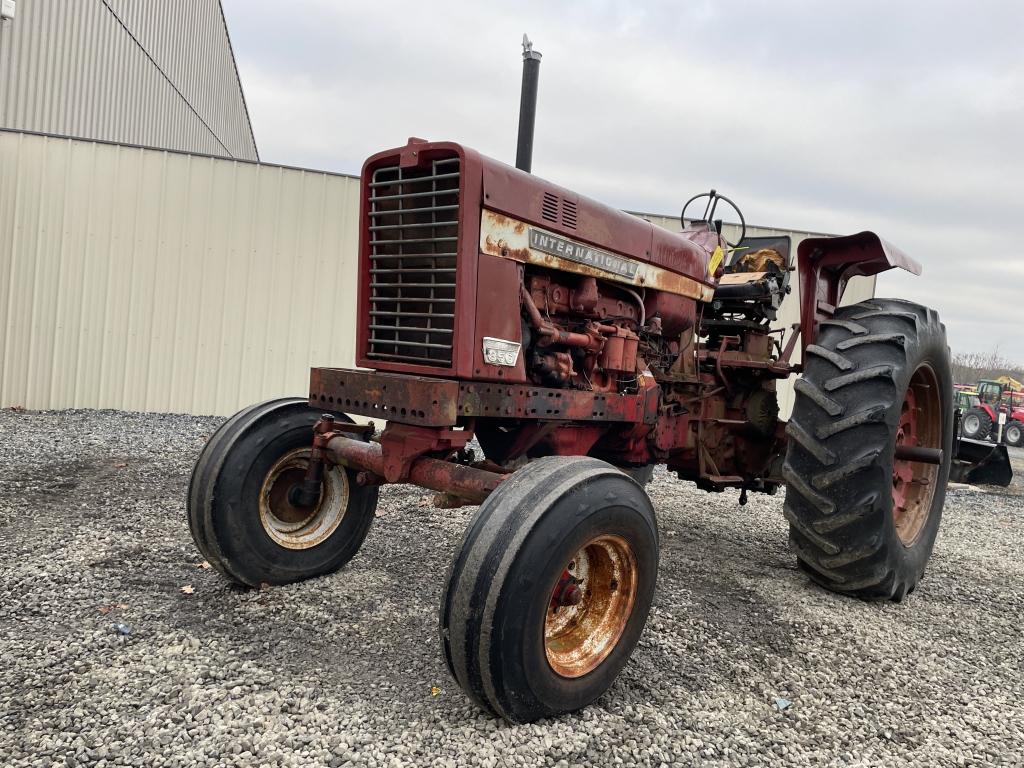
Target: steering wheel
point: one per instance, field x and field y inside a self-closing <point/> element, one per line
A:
<point x="709" y="212"/>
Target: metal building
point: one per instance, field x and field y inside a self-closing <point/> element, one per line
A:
<point x="156" y="74"/>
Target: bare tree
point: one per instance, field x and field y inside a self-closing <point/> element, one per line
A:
<point x="969" y="367"/>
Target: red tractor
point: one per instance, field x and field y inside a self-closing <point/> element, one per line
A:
<point x="536" y="352"/>
<point x="995" y="399"/>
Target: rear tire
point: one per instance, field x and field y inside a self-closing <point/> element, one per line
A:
<point x="512" y="638"/>
<point x="862" y="523"/>
<point x="1014" y="434"/>
<point x="976" y="424"/>
<point x="238" y="505"/>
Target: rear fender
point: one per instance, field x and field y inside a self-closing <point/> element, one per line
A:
<point x="826" y="264"/>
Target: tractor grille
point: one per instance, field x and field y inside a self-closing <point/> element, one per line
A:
<point x="414" y="228"/>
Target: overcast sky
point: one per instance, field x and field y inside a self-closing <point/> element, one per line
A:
<point x="906" y="118"/>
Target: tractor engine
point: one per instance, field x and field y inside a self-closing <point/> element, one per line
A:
<point x="584" y="333"/>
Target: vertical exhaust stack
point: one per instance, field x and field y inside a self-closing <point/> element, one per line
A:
<point x="527" y="106"/>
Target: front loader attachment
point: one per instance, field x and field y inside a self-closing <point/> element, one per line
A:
<point x="980" y="462"/>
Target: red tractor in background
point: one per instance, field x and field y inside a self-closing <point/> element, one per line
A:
<point x="537" y="353"/>
<point x="996" y="398"/>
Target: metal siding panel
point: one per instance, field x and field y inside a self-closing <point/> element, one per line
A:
<point x="62" y="282"/>
<point x="26" y="259"/>
<point x="12" y="203"/>
<point x="343" y="227"/>
<point x="116" y="238"/>
<point x="217" y="281"/>
<point x="189" y="43"/>
<point x="95" y="251"/>
<point x="304" y="234"/>
<point x="75" y="81"/>
<point x="44" y="267"/>
<point x="241" y="227"/>
<point x="71" y="68"/>
<point x="10" y="162"/>
<point x="75" y="270"/>
<point x="292" y="276"/>
<point x="257" y="348"/>
<point x="173" y="318"/>
<point x="5" y="66"/>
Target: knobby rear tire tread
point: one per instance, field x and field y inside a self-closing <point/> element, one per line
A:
<point x="838" y="466"/>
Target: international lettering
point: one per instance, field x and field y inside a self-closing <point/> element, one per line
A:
<point x="582" y="254"/>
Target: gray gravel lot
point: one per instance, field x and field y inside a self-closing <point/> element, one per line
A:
<point x="346" y="670"/>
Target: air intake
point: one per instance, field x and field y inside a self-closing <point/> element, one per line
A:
<point x="413" y="236"/>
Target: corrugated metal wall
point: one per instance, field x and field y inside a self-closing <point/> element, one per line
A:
<point x="156" y="281"/>
<point x="157" y="74"/>
<point x="859" y="288"/>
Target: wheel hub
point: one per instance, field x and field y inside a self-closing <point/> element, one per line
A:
<point x="300" y="527"/>
<point x="590" y="606"/>
<point x="913" y="483"/>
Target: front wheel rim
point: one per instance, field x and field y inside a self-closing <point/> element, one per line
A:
<point x="913" y="483"/>
<point x="295" y="527"/>
<point x="590" y="605"/>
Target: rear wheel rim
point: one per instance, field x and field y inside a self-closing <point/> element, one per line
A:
<point x="913" y="483"/>
<point x="972" y="424"/>
<point x="590" y="606"/>
<point x="296" y="527"/>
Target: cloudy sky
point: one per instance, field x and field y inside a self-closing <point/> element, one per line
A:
<point x="906" y="118"/>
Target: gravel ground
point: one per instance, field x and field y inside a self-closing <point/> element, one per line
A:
<point x="346" y="670"/>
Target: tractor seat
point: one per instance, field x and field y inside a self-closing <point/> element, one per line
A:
<point x="755" y="282"/>
<point x="748" y="285"/>
<point x="757" y="274"/>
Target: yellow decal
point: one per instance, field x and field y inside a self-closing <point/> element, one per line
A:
<point x="716" y="260"/>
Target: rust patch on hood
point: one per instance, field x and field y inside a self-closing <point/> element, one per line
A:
<point x="509" y="238"/>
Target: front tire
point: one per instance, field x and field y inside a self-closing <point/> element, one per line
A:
<point x="239" y="505"/>
<point x="861" y="522"/>
<point x="550" y="588"/>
